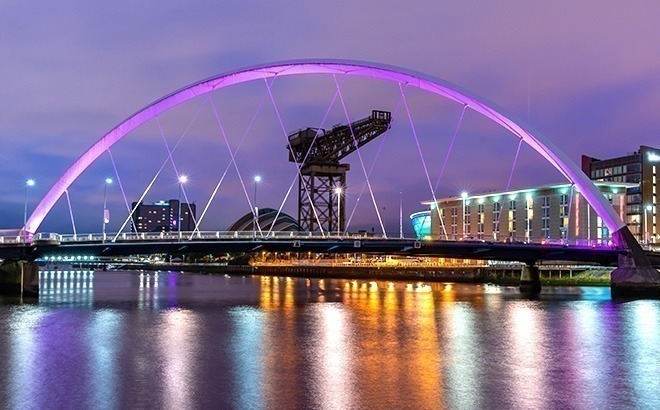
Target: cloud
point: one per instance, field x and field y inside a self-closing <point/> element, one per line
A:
<point x="583" y="73"/>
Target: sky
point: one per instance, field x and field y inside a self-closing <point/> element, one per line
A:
<point x="585" y="74"/>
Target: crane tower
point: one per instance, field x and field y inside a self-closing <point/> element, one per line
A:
<point x="318" y="152"/>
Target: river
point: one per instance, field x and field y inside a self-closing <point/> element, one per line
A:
<point x="107" y="340"/>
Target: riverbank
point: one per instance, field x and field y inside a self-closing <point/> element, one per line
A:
<point x="506" y="275"/>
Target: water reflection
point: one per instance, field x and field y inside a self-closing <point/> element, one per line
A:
<point x="163" y="339"/>
<point x="71" y="287"/>
<point x="643" y="348"/>
<point x="463" y="352"/>
<point x="247" y="346"/>
<point x="103" y="353"/>
<point x="177" y="339"/>
<point x="23" y="344"/>
<point x="526" y="352"/>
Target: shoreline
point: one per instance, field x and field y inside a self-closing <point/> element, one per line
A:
<point x="495" y="275"/>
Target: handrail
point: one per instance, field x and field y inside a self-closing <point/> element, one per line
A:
<point x="289" y="235"/>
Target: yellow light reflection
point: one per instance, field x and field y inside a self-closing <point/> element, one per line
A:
<point x="280" y="330"/>
<point x="334" y="356"/>
<point x="462" y="345"/>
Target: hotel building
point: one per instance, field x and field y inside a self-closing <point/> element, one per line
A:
<point x="641" y="168"/>
<point x="545" y="213"/>
<point x="161" y="216"/>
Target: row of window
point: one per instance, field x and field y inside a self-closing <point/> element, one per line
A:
<point x="616" y="170"/>
<point x="564" y="206"/>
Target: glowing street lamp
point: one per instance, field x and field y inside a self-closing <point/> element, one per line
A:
<point x="106" y="213"/>
<point x="338" y="192"/>
<point x="28" y="183"/>
<point x="182" y="180"/>
<point x="257" y="179"/>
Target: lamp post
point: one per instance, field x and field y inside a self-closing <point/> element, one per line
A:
<point x="647" y="208"/>
<point x="182" y="180"/>
<point x="464" y="195"/>
<point x="106" y="214"/>
<point x="257" y="179"/>
<point x="28" y="184"/>
<point x="338" y="191"/>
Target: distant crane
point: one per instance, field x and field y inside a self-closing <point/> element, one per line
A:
<point x="321" y="173"/>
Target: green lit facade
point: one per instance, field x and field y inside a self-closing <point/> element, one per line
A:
<point x="550" y="212"/>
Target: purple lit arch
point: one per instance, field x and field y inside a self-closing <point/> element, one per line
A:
<point x="361" y="69"/>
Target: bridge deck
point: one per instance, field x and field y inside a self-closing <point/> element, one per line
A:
<point x="528" y="253"/>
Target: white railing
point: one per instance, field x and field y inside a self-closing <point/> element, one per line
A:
<point x="289" y="235"/>
<point x="198" y="236"/>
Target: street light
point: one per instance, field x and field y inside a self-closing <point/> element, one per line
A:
<point x="257" y="179"/>
<point x="182" y="180"/>
<point x="647" y="208"/>
<point x="338" y="191"/>
<point x="28" y="183"/>
<point x="106" y="214"/>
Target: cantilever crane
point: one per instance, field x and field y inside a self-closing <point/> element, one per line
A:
<point x="321" y="172"/>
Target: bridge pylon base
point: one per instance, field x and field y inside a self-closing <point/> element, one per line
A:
<point x="16" y="274"/>
<point x="530" y="280"/>
<point x="635" y="276"/>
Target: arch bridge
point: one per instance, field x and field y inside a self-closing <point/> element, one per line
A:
<point x="634" y="269"/>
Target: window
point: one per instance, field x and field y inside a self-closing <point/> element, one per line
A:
<point x="529" y="216"/>
<point x="497" y="210"/>
<point x="545" y="217"/>
<point x="466" y="220"/>
<point x="454" y="220"/>
<point x="512" y="217"/>
<point x="480" y="221"/>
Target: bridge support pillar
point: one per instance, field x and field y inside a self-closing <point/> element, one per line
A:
<point x="19" y="278"/>
<point x="635" y="275"/>
<point x="530" y="279"/>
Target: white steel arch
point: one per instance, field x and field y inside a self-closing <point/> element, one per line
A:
<point x="351" y="68"/>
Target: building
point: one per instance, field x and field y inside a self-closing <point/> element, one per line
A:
<point x="640" y="168"/>
<point x="551" y="212"/>
<point x="161" y="216"/>
<point x="421" y="222"/>
<point x="266" y="222"/>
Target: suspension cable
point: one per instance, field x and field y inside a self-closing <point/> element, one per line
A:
<point x="176" y="172"/>
<point x="130" y="214"/>
<point x="231" y="154"/>
<point x="570" y="207"/>
<point x="421" y="156"/>
<point x="217" y="186"/>
<point x="373" y="164"/>
<point x="121" y="188"/>
<point x="515" y="161"/>
<point x="357" y="149"/>
<point x="451" y="145"/>
<point x="73" y="223"/>
<point x="298" y="166"/>
<point x="309" y="150"/>
<point x="508" y="184"/>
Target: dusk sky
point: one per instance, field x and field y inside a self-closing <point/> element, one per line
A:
<point x="585" y="74"/>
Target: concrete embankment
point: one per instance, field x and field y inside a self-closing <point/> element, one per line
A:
<point x="504" y="275"/>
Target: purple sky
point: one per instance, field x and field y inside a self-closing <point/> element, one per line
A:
<point x="72" y="70"/>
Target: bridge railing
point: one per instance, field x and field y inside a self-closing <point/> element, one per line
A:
<point x="289" y="235"/>
<point x="197" y="236"/>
